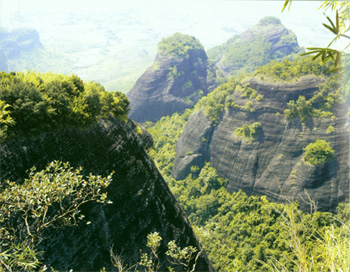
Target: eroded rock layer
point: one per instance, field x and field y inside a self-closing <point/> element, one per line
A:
<point x="273" y="163"/>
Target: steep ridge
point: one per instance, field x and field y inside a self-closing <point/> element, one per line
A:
<point x="267" y="40"/>
<point x="272" y="164"/>
<point x="142" y="201"/>
<point x="179" y="76"/>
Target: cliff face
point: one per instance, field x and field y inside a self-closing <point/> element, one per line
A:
<point x="272" y="164"/>
<point x="173" y="83"/>
<point x="142" y="202"/>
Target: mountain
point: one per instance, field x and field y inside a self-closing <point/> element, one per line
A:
<point x="22" y="50"/>
<point x="141" y="200"/>
<point x="259" y="133"/>
<point x="13" y="43"/>
<point x="267" y="40"/>
<point x="180" y="75"/>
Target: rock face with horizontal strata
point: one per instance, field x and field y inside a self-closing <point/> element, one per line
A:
<point x="171" y="84"/>
<point x="142" y="201"/>
<point x="273" y="164"/>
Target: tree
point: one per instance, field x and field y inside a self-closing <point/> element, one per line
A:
<point x="318" y="152"/>
<point x="51" y="197"/>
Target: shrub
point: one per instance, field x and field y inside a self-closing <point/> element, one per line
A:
<point x="249" y="133"/>
<point x="330" y="129"/>
<point x="318" y="152"/>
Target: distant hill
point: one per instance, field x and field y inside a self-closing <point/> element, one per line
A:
<point x="180" y="75"/>
<point x="22" y="50"/>
<point x="267" y="40"/>
<point x="13" y="43"/>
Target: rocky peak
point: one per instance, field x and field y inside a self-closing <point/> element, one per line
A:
<point x="179" y="76"/>
<point x="271" y="28"/>
<point x="255" y="47"/>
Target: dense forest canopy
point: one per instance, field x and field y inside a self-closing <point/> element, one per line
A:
<point x="40" y="102"/>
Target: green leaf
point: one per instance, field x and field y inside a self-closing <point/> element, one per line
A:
<point x="287" y="2"/>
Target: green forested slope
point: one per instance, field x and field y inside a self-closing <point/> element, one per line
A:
<point x="43" y="102"/>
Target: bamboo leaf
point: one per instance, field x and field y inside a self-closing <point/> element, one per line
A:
<point x="333" y="26"/>
<point x="287" y="2"/>
<point x="337" y="21"/>
<point x="331" y="29"/>
<point x="345" y="36"/>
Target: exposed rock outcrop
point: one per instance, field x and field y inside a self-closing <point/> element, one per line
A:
<point x="142" y="201"/>
<point x="179" y="76"/>
<point x="272" y="164"/>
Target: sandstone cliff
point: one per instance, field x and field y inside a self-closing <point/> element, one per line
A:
<point x="273" y="163"/>
<point x="142" y="201"/>
<point x="180" y="75"/>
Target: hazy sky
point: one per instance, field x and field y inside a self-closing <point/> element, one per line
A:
<point x="211" y="21"/>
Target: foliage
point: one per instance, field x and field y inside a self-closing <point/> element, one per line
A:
<point x="291" y="70"/>
<point x="199" y="196"/>
<point x="165" y="133"/>
<point x="5" y="118"/>
<point x="250" y="132"/>
<point x="249" y="233"/>
<point x="324" y="248"/>
<point x="318" y="152"/>
<point x="45" y="102"/>
<point x="215" y="102"/>
<point x="247" y="56"/>
<point x="301" y="108"/>
<point x="246" y="91"/>
<point x="179" y="258"/>
<point x="48" y="198"/>
<point x="322" y="104"/>
<point x="179" y="45"/>
<point x="330" y="129"/>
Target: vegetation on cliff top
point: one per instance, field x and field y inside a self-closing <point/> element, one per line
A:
<point x="292" y="70"/>
<point x="179" y="45"/>
<point x="44" y="102"/>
